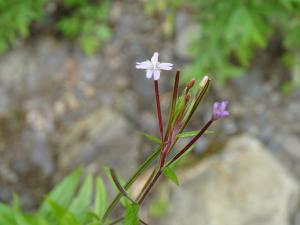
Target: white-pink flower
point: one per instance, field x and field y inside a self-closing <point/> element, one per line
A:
<point x="153" y="67"/>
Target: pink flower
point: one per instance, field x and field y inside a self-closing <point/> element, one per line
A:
<point x="220" y="110"/>
<point x="153" y="67"/>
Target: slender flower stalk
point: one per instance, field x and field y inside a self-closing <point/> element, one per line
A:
<point x="151" y="184"/>
<point x="173" y="104"/>
<point x="200" y="133"/>
<point x="158" y="111"/>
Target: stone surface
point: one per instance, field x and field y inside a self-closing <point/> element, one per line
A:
<point x="245" y="185"/>
<point x="103" y="137"/>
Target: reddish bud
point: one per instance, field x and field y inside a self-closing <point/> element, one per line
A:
<point x="191" y="83"/>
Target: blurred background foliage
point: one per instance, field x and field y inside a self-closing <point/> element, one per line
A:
<point x="231" y="31"/>
<point x="81" y="20"/>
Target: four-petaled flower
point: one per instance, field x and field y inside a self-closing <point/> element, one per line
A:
<point x="153" y="67"/>
<point x="220" y="110"/>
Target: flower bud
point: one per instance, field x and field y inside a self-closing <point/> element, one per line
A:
<point x="191" y="83"/>
<point x="203" y="81"/>
<point x="220" y="110"/>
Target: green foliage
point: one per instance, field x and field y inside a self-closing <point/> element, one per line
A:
<point x="168" y="9"/>
<point x="151" y="138"/>
<point x="87" y="23"/>
<point x="189" y="134"/>
<point x="232" y="31"/>
<point x="82" y="20"/>
<point x="170" y="173"/>
<point x="132" y="215"/>
<point x="15" y="20"/>
<point x="158" y="207"/>
<point x="69" y="203"/>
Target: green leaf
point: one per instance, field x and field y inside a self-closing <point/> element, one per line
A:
<point x="6" y="215"/>
<point x="176" y="162"/>
<point x="100" y="198"/>
<point x="151" y="138"/>
<point x="80" y="204"/>
<point x="170" y="173"/>
<point x="158" y="207"/>
<point x="63" y="192"/>
<point x="132" y="215"/>
<point x="118" y="185"/>
<point x="193" y="133"/>
<point x="61" y="214"/>
<point x="95" y="223"/>
<point x="124" y="201"/>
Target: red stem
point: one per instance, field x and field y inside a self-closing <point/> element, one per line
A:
<point x="150" y="187"/>
<point x="159" y="117"/>
<point x="200" y="133"/>
<point x="173" y="104"/>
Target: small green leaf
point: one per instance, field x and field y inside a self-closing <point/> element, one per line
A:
<point x="176" y="162"/>
<point x="124" y="201"/>
<point x="80" y="204"/>
<point x="61" y="214"/>
<point x="158" y="207"/>
<point x="132" y="215"/>
<point x="63" y="192"/>
<point x="169" y="173"/>
<point x="151" y="138"/>
<point x="6" y="215"/>
<point x="100" y="198"/>
<point x="118" y="185"/>
<point x="191" y="134"/>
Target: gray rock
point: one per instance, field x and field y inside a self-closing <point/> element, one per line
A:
<point x="243" y="186"/>
<point x="103" y="137"/>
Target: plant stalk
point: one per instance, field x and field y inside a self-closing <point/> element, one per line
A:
<point x="158" y="110"/>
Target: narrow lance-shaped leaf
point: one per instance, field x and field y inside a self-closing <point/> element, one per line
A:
<point x="124" y="201"/>
<point x="170" y="173"/>
<point x="100" y="198"/>
<point x="173" y="164"/>
<point x="118" y="185"/>
<point x="61" y="214"/>
<point x="151" y="138"/>
<point x="81" y="203"/>
<point x="132" y="215"/>
<point x="63" y="192"/>
<point x="193" y="133"/>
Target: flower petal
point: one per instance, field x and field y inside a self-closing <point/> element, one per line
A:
<point x="149" y="74"/>
<point x="165" y="66"/>
<point x="225" y="114"/>
<point x="154" y="58"/>
<point x="156" y="74"/>
<point x="223" y="105"/>
<point x="216" y="106"/>
<point x="144" y="65"/>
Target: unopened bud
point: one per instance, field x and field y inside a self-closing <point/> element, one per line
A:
<point x="203" y="81"/>
<point x="191" y="83"/>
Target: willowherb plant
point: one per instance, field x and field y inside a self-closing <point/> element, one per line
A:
<point x="181" y="111"/>
<point x="64" y="205"/>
